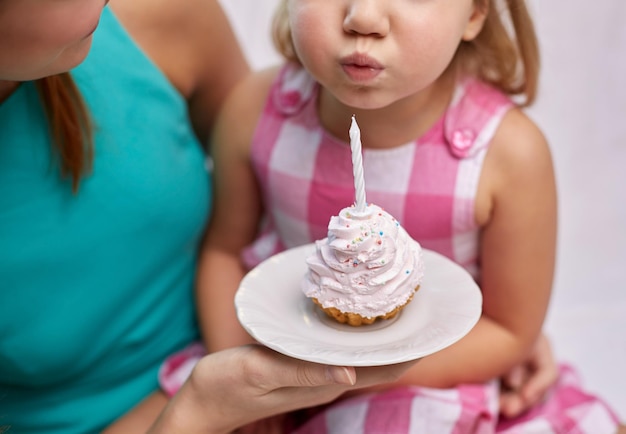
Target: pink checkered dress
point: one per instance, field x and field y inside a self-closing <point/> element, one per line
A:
<point x="467" y="409"/>
<point x="429" y="185"/>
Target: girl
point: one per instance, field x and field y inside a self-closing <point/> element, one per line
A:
<point x="437" y="87"/>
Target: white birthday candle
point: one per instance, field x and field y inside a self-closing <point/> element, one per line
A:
<point x="357" y="165"/>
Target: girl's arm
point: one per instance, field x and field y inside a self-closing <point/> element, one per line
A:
<point x="516" y="207"/>
<point x="236" y="217"/>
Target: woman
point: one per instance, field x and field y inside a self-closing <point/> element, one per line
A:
<point x="104" y="194"/>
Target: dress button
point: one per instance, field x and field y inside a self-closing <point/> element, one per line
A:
<point x="289" y="100"/>
<point x="463" y="139"/>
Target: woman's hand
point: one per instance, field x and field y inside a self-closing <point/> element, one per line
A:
<point x="527" y="383"/>
<point x="234" y="387"/>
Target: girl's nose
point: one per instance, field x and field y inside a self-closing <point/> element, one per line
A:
<point x="366" y="17"/>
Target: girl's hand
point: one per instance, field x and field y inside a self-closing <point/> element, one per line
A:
<point x="527" y="384"/>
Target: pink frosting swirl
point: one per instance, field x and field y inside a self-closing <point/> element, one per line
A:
<point x="367" y="265"/>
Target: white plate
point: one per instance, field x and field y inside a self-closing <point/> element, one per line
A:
<point x="272" y="308"/>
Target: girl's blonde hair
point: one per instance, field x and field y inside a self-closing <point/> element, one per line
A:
<point x="69" y="124"/>
<point x="505" y="53"/>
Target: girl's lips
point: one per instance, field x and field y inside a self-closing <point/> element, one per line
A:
<point x="361" y="67"/>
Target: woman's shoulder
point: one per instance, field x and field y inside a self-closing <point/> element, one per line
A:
<point x="194" y="45"/>
<point x="170" y="19"/>
<point x="187" y="36"/>
<point x="161" y="26"/>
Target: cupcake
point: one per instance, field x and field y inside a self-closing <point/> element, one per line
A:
<point x="367" y="268"/>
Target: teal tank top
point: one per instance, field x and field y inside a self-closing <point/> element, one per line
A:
<point x="96" y="288"/>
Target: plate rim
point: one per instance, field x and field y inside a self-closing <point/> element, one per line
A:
<point x="341" y="358"/>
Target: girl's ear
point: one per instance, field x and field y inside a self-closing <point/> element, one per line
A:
<point x="480" y="9"/>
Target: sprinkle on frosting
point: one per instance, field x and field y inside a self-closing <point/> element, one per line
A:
<point x="364" y="275"/>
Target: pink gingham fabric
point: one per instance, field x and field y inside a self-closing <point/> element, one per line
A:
<point x="177" y="367"/>
<point x="429" y="184"/>
<point x="465" y="409"/>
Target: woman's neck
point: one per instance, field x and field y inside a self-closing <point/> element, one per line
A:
<point x="7" y="88"/>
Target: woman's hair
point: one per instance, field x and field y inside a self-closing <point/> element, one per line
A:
<point x="69" y="125"/>
<point x="505" y="53"/>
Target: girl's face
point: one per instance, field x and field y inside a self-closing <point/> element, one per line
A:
<point x="45" y="37"/>
<point x="371" y="53"/>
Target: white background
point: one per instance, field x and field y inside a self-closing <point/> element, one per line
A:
<point x="582" y="111"/>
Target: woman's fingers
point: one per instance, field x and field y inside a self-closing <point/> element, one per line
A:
<point x="373" y="375"/>
<point x="271" y="370"/>
<point x="277" y="371"/>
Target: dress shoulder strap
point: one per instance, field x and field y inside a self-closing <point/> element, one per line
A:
<point x="473" y="117"/>
<point x="293" y="89"/>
